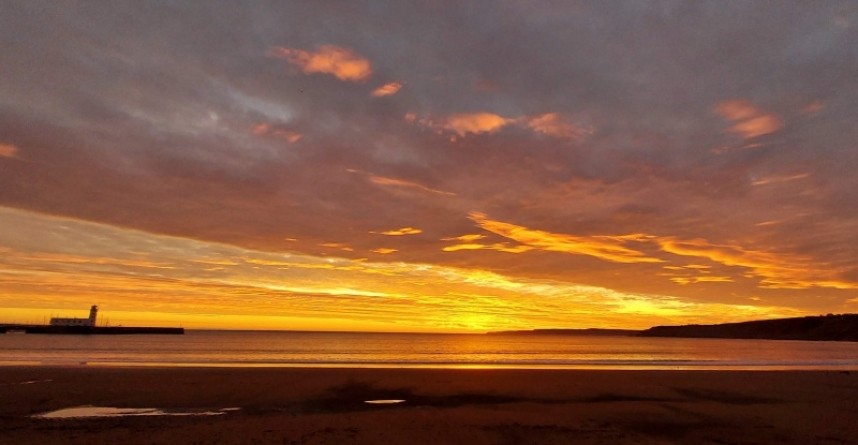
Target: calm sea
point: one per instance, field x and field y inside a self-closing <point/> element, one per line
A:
<point x="265" y="348"/>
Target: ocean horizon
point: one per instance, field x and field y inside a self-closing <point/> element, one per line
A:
<point x="228" y="348"/>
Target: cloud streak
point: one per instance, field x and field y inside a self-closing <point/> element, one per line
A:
<point x="388" y="89"/>
<point x="748" y="120"/>
<point x="552" y="124"/>
<point x="604" y="249"/>
<point x="8" y="150"/>
<point x="474" y="123"/>
<point x="401" y="232"/>
<point x="465" y="124"/>
<point x="401" y="183"/>
<point x="774" y="271"/>
<point x="268" y="130"/>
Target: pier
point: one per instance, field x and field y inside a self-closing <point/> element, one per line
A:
<point x="85" y="326"/>
<point x="88" y="330"/>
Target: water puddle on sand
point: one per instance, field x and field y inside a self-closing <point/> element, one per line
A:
<point x="384" y="401"/>
<point x="78" y="412"/>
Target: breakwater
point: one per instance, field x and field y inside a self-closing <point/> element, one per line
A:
<point x="89" y="330"/>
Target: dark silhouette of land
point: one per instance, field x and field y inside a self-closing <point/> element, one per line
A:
<point x="842" y="327"/>
<point x="592" y="332"/>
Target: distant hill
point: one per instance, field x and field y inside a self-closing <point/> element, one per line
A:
<point x="583" y="332"/>
<point x="842" y="327"/>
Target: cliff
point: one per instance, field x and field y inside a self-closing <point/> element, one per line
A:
<point x="825" y="327"/>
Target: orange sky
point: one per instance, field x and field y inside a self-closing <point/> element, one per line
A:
<point x="428" y="168"/>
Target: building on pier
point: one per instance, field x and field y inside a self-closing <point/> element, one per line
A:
<point x="90" y="322"/>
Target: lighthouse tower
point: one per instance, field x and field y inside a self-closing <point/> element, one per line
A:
<point x="93" y="313"/>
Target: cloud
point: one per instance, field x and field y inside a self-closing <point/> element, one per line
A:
<point x="341" y="63"/>
<point x="774" y="271"/>
<point x="107" y="265"/>
<point x="267" y="130"/>
<point x="91" y="260"/>
<point x="387" y="89"/>
<point x="702" y="279"/>
<point x="475" y="123"/>
<point x="462" y="124"/>
<point x="400" y="232"/>
<point x="748" y="120"/>
<point x="167" y="147"/>
<point x="8" y="150"/>
<point x="813" y="107"/>
<point x="552" y="124"/>
<point x="500" y="247"/>
<point x="384" y="250"/>
<point x="603" y="248"/>
<point x="775" y="179"/>
<point x="465" y="238"/>
<point x="393" y="182"/>
<point x="340" y="246"/>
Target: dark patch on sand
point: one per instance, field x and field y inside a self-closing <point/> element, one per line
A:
<point x="518" y="433"/>
<point x="352" y="396"/>
<point x="609" y="397"/>
<point x="732" y="398"/>
<point x="667" y="428"/>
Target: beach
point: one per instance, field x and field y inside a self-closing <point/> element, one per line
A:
<point x="473" y="406"/>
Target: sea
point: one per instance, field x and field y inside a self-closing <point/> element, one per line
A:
<point x="199" y="348"/>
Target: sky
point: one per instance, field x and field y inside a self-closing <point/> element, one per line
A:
<point x="428" y="166"/>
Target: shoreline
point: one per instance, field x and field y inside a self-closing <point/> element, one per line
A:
<point x="477" y="406"/>
<point x="774" y="367"/>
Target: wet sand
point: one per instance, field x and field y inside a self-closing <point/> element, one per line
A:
<point x="326" y="406"/>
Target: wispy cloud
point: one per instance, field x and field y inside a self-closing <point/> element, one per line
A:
<point x="400" y="232"/>
<point x="339" y="62"/>
<point x="384" y="250"/>
<point x="267" y="130"/>
<point x="465" y="238"/>
<point x="401" y="183"/>
<point x="748" y="120"/>
<point x="500" y="247"/>
<point x="702" y="279"/>
<point x="775" y="179"/>
<point x="387" y="89"/>
<point x="8" y="150"/>
<point x="552" y="124"/>
<point x="463" y="124"/>
<point x="774" y="271"/>
<point x="340" y="246"/>
<point x="316" y="289"/>
<point x="475" y="123"/>
<point x="603" y="248"/>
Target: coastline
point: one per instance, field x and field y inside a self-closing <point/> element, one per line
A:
<point x="326" y="405"/>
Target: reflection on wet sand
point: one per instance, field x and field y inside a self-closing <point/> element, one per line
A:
<point x="108" y="411"/>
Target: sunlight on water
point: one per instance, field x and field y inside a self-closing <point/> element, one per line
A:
<point x="302" y="349"/>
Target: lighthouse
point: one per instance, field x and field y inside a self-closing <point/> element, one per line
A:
<point x="93" y="313"/>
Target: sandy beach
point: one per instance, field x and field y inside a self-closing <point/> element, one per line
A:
<point x="481" y="406"/>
